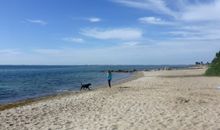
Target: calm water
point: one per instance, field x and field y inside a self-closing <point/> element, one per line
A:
<point x="23" y="82"/>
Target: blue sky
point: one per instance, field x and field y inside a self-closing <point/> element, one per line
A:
<point x="68" y="32"/>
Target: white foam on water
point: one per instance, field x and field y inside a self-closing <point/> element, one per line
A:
<point x="62" y="90"/>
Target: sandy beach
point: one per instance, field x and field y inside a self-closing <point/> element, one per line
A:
<point x="159" y="100"/>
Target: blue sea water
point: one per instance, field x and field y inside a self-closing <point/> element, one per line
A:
<point x="24" y="82"/>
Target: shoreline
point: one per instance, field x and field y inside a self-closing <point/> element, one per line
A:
<point x="29" y="101"/>
<point x="175" y="99"/>
<point x="134" y="75"/>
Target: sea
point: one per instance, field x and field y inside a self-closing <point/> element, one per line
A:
<point x="21" y="82"/>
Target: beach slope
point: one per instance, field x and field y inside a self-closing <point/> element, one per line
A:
<point x="176" y="99"/>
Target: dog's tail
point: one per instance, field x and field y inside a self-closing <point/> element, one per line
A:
<point x="81" y="86"/>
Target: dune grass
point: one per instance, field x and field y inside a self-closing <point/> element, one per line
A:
<point x="214" y="67"/>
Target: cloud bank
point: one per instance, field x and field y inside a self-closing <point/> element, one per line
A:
<point x="113" y="34"/>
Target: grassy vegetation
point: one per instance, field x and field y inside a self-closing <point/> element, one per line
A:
<point x="214" y="67"/>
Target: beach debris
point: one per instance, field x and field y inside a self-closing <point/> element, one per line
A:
<point x="124" y="87"/>
<point x="182" y="100"/>
<point x="122" y="71"/>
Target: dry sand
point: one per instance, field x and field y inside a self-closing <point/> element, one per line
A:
<point x="165" y="100"/>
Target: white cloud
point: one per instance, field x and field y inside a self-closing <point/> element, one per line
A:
<point x="117" y="33"/>
<point x="194" y="20"/>
<point x="186" y="10"/>
<point x="73" y="39"/>
<point x="158" y="6"/>
<point x="9" y="52"/>
<point x="37" y="21"/>
<point x="94" y="19"/>
<point x="48" y="51"/>
<point x="202" y="12"/>
<point x="131" y="43"/>
<point x="199" y="21"/>
<point x="88" y="19"/>
<point x="197" y="32"/>
<point x="154" y="20"/>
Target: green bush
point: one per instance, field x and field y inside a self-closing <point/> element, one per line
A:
<point x="214" y="67"/>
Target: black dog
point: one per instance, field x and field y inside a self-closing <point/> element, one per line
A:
<point x="85" y="86"/>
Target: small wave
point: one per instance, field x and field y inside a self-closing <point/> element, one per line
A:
<point x="62" y="90"/>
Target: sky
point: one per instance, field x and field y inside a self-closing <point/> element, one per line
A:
<point x="100" y="32"/>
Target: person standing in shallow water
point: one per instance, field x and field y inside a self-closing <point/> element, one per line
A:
<point x="109" y="76"/>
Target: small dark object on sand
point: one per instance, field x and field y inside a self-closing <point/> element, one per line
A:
<point x="85" y="86"/>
